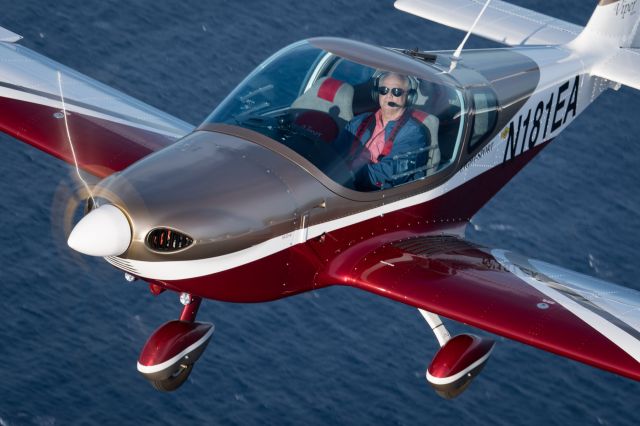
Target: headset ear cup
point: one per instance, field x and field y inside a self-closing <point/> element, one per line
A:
<point x="412" y="95"/>
<point x="374" y="87"/>
<point x="374" y="92"/>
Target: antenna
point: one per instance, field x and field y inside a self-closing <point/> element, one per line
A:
<point x="73" y="151"/>
<point x="456" y="54"/>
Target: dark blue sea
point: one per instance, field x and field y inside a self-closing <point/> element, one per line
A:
<point x="71" y="328"/>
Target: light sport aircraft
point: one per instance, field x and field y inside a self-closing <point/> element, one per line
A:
<point x="285" y="207"/>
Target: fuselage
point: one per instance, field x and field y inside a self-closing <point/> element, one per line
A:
<point x="265" y="220"/>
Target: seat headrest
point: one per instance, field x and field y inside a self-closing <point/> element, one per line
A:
<point x="329" y="95"/>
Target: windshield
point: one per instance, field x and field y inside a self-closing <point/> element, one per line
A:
<point x="365" y="127"/>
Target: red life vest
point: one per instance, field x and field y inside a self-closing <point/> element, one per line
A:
<point x="369" y="124"/>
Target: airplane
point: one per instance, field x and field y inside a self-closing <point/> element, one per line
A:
<point x="284" y="201"/>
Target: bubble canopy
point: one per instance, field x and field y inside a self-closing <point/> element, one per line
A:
<point x="326" y="100"/>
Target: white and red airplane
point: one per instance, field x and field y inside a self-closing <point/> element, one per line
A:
<point x="260" y="202"/>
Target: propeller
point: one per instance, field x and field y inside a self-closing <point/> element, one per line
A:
<point x="69" y="205"/>
<point x="70" y="140"/>
<point x="104" y="230"/>
<point x="72" y="198"/>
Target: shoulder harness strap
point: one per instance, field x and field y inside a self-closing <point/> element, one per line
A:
<point x="367" y="123"/>
<point x="388" y="143"/>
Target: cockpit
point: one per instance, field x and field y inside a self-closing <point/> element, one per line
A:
<point x="366" y="117"/>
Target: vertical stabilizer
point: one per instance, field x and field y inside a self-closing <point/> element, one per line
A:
<point x="617" y="21"/>
<point x="610" y="42"/>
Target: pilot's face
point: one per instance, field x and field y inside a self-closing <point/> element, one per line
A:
<point x="389" y="102"/>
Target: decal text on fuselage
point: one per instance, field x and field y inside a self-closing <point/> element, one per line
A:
<point x="538" y="123"/>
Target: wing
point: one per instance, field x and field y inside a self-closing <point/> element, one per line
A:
<point x="501" y="22"/>
<point x="109" y="129"/>
<point x="536" y="303"/>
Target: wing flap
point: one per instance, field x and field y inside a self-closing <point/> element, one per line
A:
<point x="501" y="22"/>
<point x="551" y="308"/>
<point x="109" y="129"/>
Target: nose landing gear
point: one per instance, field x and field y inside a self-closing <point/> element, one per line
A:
<point x="169" y="355"/>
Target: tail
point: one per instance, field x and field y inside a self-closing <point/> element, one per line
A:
<point x="609" y="43"/>
<point x="615" y="21"/>
<point x="612" y="32"/>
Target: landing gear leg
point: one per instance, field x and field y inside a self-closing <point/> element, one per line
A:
<point x="458" y="361"/>
<point x="438" y="328"/>
<point x="169" y="355"/>
<point x="190" y="308"/>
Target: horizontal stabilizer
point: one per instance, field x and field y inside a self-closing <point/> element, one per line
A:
<point x="622" y="68"/>
<point x="8" y="36"/>
<point x="501" y="22"/>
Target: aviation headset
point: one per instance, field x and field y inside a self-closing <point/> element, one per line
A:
<point x="412" y="92"/>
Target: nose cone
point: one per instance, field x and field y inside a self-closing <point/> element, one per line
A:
<point x="105" y="231"/>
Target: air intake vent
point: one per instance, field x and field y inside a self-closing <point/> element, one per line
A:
<point x="167" y="240"/>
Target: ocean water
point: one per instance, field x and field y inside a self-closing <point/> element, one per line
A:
<point x="72" y="328"/>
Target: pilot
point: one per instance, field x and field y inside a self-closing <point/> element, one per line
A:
<point x="384" y="148"/>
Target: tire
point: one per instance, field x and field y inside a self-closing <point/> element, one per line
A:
<point x="175" y="381"/>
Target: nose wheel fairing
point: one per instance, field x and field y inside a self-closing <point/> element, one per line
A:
<point x="171" y="352"/>
<point x="169" y="355"/>
<point x="172" y="345"/>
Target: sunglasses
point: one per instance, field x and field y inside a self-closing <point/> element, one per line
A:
<point x="395" y="91"/>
